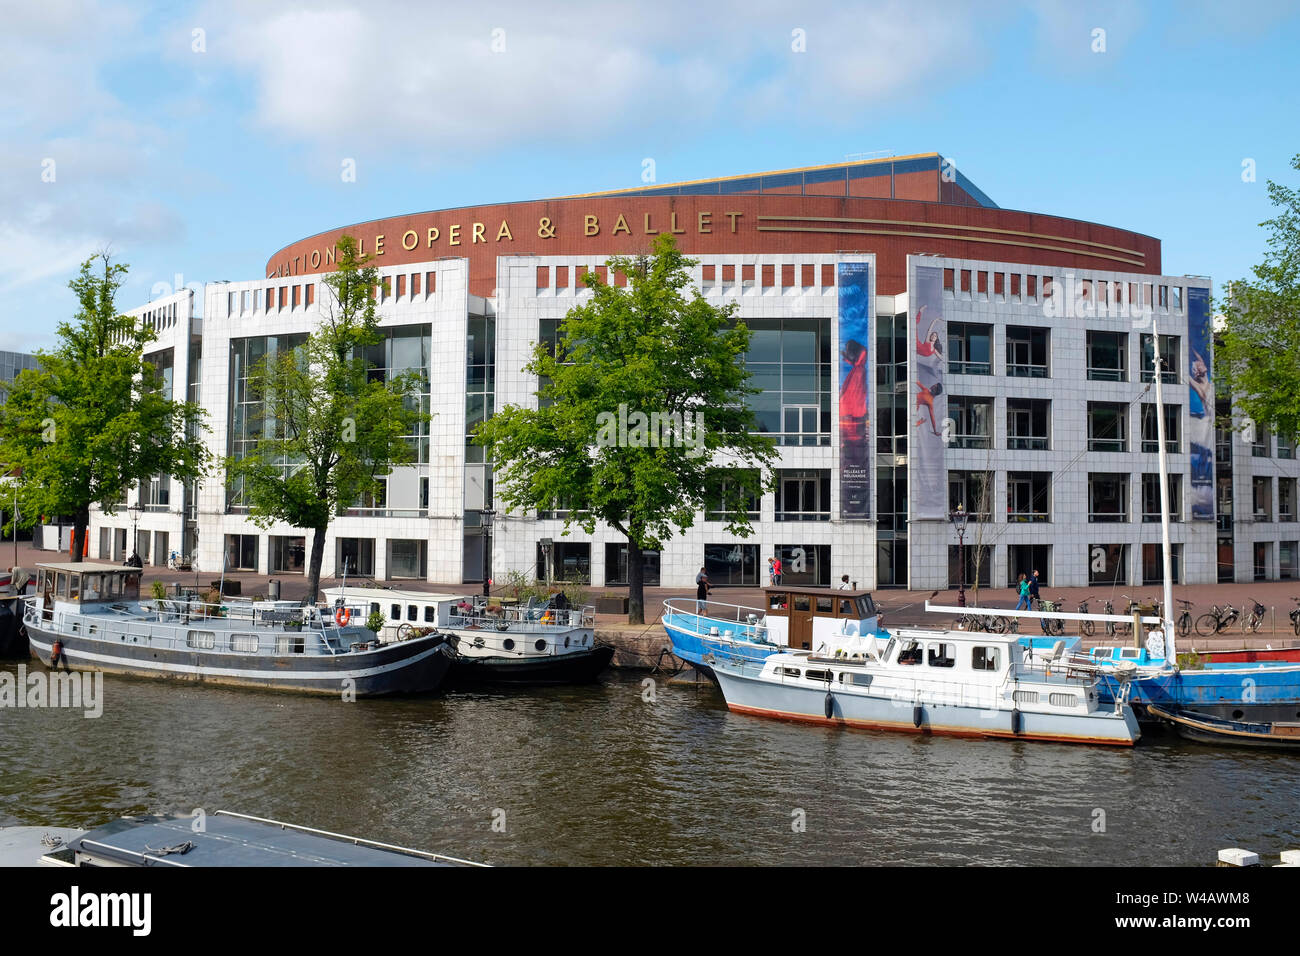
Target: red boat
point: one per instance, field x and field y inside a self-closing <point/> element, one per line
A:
<point x="1250" y="655"/>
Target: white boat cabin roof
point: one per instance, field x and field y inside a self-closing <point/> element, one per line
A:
<point x="87" y="581"/>
<point x="384" y="594"/>
<point x="84" y="566"/>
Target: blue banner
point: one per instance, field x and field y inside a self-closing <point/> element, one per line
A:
<point x="854" y="280"/>
<point x="1200" y="403"/>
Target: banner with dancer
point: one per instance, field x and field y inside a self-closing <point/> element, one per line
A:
<point x="1200" y="403"/>
<point x="929" y="480"/>
<point x="855" y="389"/>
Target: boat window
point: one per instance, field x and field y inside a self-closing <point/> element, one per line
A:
<point x="112" y="585"/>
<point x="244" y="643"/>
<point x="776" y="602"/>
<point x="1063" y="700"/>
<point x="412" y="612"/>
<point x="1025" y="696"/>
<point x="846" y="608"/>
<point x="74" y="587"/>
<point x="374" y="607"/>
<point x="910" y="654"/>
<point x="866" y="606"/>
<point x="802" y="602"/>
<point x="984" y="658"/>
<point x="396" y="613"/>
<point x="61" y="584"/>
<point x="863" y="680"/>
<point x="94" y="587"/>
<point x="131" y="586"/>
<point x="787" y="672"/>
<point x="290" y="644"/>
<point x="1131" y="652"/>
<point x="201" y="639"/>
<point x="941" y="655"/>
<point x="888" y="648"/>
<point x="818" y="675"/>
<point x="430" y="613"/>
<point x="826" y="606"/>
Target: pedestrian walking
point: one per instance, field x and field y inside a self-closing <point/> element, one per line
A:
<point x="1023" y="585"/>
<point x="1033" y="585"/>
<point x="771" y="572"/>
<point x="702" y="588"/>
<point x="776" y="571"/>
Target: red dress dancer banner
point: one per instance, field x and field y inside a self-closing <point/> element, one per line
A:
<point x="855" y="389"/>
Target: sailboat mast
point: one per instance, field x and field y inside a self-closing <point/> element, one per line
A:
<point x="1166" y="549"/>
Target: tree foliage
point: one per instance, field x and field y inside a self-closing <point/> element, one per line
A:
<point x="330" y="430"/>
<point x="92" y="420"/>
<point x="1257" y="355"/>
<point x="649" y="348"/>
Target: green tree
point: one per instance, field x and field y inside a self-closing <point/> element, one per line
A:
<point x="1257" y="354"/>
<point x="92" y="420"/>
<point x="330" y="430"/>
<point x="649" y="348"/>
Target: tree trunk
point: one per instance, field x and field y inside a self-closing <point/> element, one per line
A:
<point x="79" y="525"/>
<point x="635" y="583"/>
<point x="313" y="567"/>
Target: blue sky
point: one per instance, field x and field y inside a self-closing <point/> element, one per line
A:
<point x="199" y="154"/>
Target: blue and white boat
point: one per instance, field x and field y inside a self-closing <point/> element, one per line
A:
<point x="795" y="618"/>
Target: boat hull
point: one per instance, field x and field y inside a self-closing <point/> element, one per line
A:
<point x="411" y="667"/>
<point x="1234" y="692"/>
<point x="576" y="667"/>
<point x="764" y="698"/>
<point x="701" y="650"/>
<point x="1203" y="728"/>
<point x="13" y="635"/>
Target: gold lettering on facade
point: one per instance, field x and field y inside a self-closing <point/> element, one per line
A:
<point x="590" y="225"/>
<point x="415" y="240"/>
<point x="648" y="230"/>
<point x="331" y="254"/>
<point x="544" y="228"/>
<point x="621" y="226"/>
<point x="453" y="235"/>
<point x="504" y="232"/>
<point x="672" y="223"/>
<point x="315" y="258"/>
<point x="433" y="235"/>
<point x="733" y="216"/>
<point x="705" y="222"/>
<point x="379" y="244"/>
<point x="476" y="230"/>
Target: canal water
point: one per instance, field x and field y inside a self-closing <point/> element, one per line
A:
<point x="624" y="772"/>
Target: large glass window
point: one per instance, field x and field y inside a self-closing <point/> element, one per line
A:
<point x="1107" y="497"/>
<point x="1026" y="559"/>
<point x="1168" y="359"/>
<point x="1286" y="510"/>
<point x="1029" y="496"/>
<point x="1028" y="351"/>
<point x="1108" y="356"/>
<point x="731" y="565"/>
<point x="288" y="554"/>
<point x="1107" y="564"/>
<point x="616" y="566"/>
<point x="248" y="420"/>
<point x="1262" y="446"/>
<point x="807" y="565"/>
<point x="973" y="418"/>
<point x="730" y="500"/>
<point x="973" y="491"/>
<point x="1153" y="563"/>
<point x="803" y="494"/>
<point x="241" y="552"/>
<point x="406" y="558"/>
<point x="356" y="556"/>
<point x="1150" y="436"/>
<point x="1288" y="560"/>
<point x="1029" y="424"/>
<point x="1151" y="497"/>
<point x="978" y="567"/>
<point x="790" y="360"/>
<point x="1262" y="495"/>
<point x="970" y="348"/>
<point x="1107" y="426"/>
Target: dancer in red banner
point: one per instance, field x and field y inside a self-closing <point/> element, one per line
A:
<point x="929" y="360"/>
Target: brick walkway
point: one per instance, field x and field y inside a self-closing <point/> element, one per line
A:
<point x="899" y="607"/>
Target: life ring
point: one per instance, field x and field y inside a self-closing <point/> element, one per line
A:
<point x="342" y="616"/>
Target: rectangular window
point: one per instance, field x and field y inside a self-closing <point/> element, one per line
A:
<point x="1288" y="560"/>
<point x="947" y="280"/>
<point x="1108" y="564"/>
<point x="1150" y="436"/>
<point x="1029" y="424"/>
<point x="1107" y="497"/>
<point x="804" y="565"/>
<point x="1285" y="447"/>
<point x="769" y="276"/>
<point x="1107" y="426"/>
<point x="543" y="277"/>
<point x="1028" y="350"/>
<point x="1026" y="559"/>
<point x="728" y="498"/>
<point x="1107" y="356"/>
<point x="746" y="276"/>
<point x="828" y="277"/>
<point x="731" y="565"/>
<point x="974" y="420"/>
<point x="430" y="283"/>
<point x="803" y="494"/>
<point x="1153" y="563"/>
<point x="356" y="556"/>
<point x="415" y="284"/>
<point x="807" y="274"/>
<point x="1151" y="497"/>
<point x="728" y="274"/>
<point x="1286" y="510"/>
<point x="1262" y="496"/>
<point x="288" y="554"/>
<point x="1262" y="446"/>
<point x="406" y="558"/>
<point x="1029" y="496"/>
<point x="616" y="566"/>
<point x="1015" y="285"/>
<point x="1168" y="358"/>
<point x="973" y="491"/>
<point x="979" y="565"/>
<point x="241" y="552"/>
<point x="970" y="348"/>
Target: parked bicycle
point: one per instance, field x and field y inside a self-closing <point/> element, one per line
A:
<point x="1295" y="616"/>
<point x="1052" y="627"/>
<point x="981" y="622"/>
<point x="1251" y="621"/>
<point x="1111" y="627"/>
<point x="1085" y="627"/>
<point x="1217" y="620"/>
<point x="1184" y="623"/>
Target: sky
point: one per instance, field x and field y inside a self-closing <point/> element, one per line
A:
<point x="193" y="140"/>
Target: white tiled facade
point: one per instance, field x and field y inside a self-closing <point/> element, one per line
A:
<point x="532" y="289"/>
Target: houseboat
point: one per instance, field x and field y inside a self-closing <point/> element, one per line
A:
<point x="489" y="642"/>
<point x="923" y="681"/>
<point x="89" y="616"/>
<point x="798" y="618"/>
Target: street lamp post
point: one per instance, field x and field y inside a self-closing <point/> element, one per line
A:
<point x="485" y="521"/>
<point x="958" y="519"/>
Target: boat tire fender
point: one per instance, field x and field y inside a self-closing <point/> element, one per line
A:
<point x="1015" y="721"/>
<point x="918" y="715"/>
<point x="830" y="705"/>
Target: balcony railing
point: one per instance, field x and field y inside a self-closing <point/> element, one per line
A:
<point x="972" y="441"/>
<point x="1019" y="370"/>
<point x="1102" y="517"/>
<point x="970" y="368"/>
<point x="1107" y="375"/>
<point x="1031" y="517"/>
<point x="803" y="515"/>
<point x="1027" y="442"/>
<point x="1107" y="444"/>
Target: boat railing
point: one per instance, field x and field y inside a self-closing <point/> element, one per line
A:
<point x="178" y="630"/>
<point x="537" y="619"/>
<point x="716" y="612"/>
